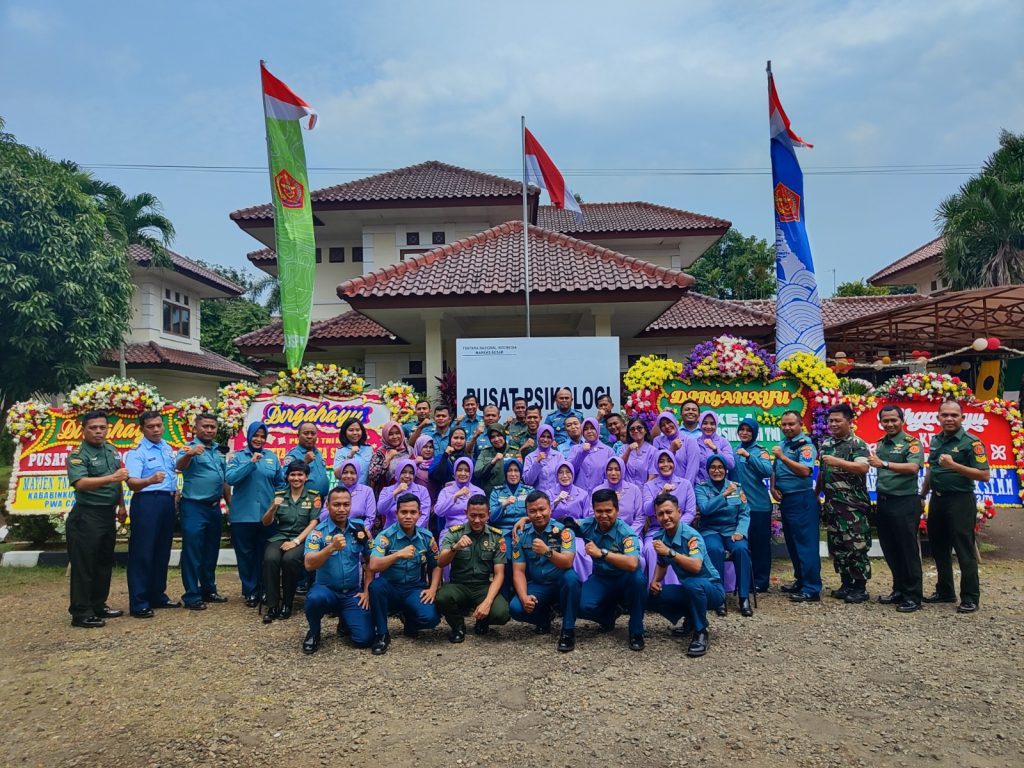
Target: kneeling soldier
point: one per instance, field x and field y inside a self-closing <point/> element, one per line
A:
<point x="476" y="554"/>
<point x="338" y="550"/>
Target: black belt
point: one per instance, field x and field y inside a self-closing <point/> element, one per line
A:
<point x="212" y="500"/>
<point x="943" y="494"/>
<point x="140" y="494"/>
<point x="895" y="496"/>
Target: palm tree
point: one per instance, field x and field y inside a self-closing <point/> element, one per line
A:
<point x="983" y="224"/>
<point x="271" y="286"/>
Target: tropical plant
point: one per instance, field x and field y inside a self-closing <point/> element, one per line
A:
<point x="736" y="267"/>
<point x="983" y="224"/>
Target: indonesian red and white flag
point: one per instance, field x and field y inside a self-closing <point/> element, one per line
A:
<point x="540" y="170"/>
<point x="281" y="103"/>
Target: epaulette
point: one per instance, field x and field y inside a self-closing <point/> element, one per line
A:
<point x="281" y="492"/>
<point x="456" y="528"/>
<point x="492" y="529"/>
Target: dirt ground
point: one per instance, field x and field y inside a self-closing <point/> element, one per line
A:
<point x="811" y="685"/>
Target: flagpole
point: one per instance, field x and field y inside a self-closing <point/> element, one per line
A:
<point x="526" y="224"/>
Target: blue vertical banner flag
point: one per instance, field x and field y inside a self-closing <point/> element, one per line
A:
<point x="798" y="325"/>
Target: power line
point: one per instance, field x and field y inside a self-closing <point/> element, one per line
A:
<point x="929" y="169"/>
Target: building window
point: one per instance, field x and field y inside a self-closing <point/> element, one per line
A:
<point x="176" y="317"/>
<point x="437" y="238"/>
<point x="410" y="252"/>
<point x="415" y="367"/>
<point x="935" y="286"/>
<point x="357" y="254"/>
<point x="632" y="360"/>
<point x="336" y="255"/>
<point x="319" y="256"/>
<point x="412" y="238"/>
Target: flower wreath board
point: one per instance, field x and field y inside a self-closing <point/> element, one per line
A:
<point x="45" y="436"/>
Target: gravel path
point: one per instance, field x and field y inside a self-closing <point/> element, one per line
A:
<point x="813" y="685"/>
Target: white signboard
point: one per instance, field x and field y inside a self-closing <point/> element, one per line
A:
<point x="499" y="370"/>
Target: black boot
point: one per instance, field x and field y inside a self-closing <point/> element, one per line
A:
<point x="380" y="645"/>
<point x="567" y="641"/>
<point x="311" y="643"/>
<point x="746" y="609"/>
<point x="270" y="615"/>
<point x="699" y="644"/>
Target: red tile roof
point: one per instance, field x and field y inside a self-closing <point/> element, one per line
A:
<point x="153" y="355"/>
<point x="698" y="312"/>
<point x="348" y="328"/>
<point x="490" y="264"/>
<point x="142" y="256"/>
<point x="928" y="252"/>
<point x="607" y="218"/>
<point x="262" y="256"/>
<point x="431" y="180"/>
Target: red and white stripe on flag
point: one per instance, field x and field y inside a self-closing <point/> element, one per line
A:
<point x="281" y="103"/>
<point x="540" y="170"/>
<point x="777" y="118"/>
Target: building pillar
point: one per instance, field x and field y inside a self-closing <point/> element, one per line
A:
<point x="602" y="323"/>
<point x="368" y="261"/>
<point x="434" y="357"/>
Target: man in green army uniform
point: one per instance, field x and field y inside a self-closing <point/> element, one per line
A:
<point x="476" y="554"/>
<point x="96" y="474"/>
<point x="843" y="478"/>
<point x="898" y="459"/>
<point x="956" y="462"/>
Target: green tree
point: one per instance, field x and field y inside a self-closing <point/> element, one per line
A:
<point x="225" y="319"/>
<point x="983" y="223"/>
<point x="736" y="267"/>
<point x="67" y="288"/>
<point x="861" y="288"/>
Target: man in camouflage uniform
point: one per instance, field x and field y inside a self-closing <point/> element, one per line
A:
<point x="843" y="478"/>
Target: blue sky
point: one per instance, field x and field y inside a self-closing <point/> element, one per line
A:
<point x="605" y="86"/>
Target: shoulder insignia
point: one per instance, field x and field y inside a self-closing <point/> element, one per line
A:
<point x="566" y="534"/>
<point x="979" y="449"/>
<point x="492" y="529"/>
<point x="455" y="528"/>
<point x="915" y="448"/>
<point x="74" y="461"/>
<point x="316" y="500"/>
<point x="743" y="497"/>
<point x="764" y="454"/>
<point x="692" y="543"/>
<point x="279" y="493"/>
<point x="433" y="545"/>
<point x="628" y="545"/>
<point x="501" y="545"/>
<point x="383" y="540"/>
<point x="807" y="452"/>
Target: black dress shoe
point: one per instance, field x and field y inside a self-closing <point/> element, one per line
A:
<point x="567" y="641"/>
<point x="761" y="590"/>
<point x="683" y="630"/>
<point x="380" y="645"/>
<point x="721" y="610"/>
<point x="842" y="592"/>
<point x="967" y="607"/>
<point x="270" y="615"/>
<point x="199" y="606"/>
<point x="857" y="595"/>
<point x="457" y="635"/>
<point x="893" y="598"/>
<point x="146" y="613"/>
<point x="792" y="588"/>
<point x="636" y="642"/>
<point x="214" y="598"/>
<point x="285" y="612"/>
<point x="908" y="606"/>
<point x="805" y="597"/>
<point x="542" y="629"/>
<point x="169" y="604"/>
<point x="89" y="622"/>
<point x="252" y="601"/>
<point x="746" y="609"/>
<point x="301" y="589"/>
<point x="311" y="643"/>
<point x="109" y="613"/>
<point x="482" y="627"/>
<point x="699" y="644"/>
<point x="935" y="597"/>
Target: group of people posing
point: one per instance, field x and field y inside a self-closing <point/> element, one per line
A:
<point x="517" y="519"/>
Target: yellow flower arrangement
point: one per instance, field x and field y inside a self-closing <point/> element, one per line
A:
<point x="810" y="371"/>
<point x="650" y="372"/>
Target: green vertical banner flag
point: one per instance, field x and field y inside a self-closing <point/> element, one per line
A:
<point x="293" y="211"/>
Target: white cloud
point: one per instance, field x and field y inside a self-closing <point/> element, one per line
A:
<point x="30" y="20"/>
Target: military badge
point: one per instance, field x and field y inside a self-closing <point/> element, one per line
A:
<point x="566" y="535"/>
<point x="979" y="449"/>
<point x="501" y="546"/>
<point x="915" y="448"/>
<point x="764" y="454"/>
<point x="433" y="546"/>
<point x="787" y="203"/>
<point x="743" y="497"/>
<point x="807" y="452"/>
<point x="289" y="190"/>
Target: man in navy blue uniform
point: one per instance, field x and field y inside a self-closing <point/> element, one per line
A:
<point x="338" y="550"/>
<point x="682" y="549"/>
<point x="617" y="579"/>
<point x="154" y="483"/>
<point x="405" y="556"/>
<point x="542" y="573"/>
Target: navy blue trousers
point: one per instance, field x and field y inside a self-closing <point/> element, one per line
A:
<point x="322" y="600"/>
<point x="200" y="545"/>
<point x="385" y="597"/>
<point x="565" y="592"/>
<point x="149" y="549"/>
<point x="800" y="528"/>
<point x="601" y="594"/>
<point x="717" y="545"/>
<point x="249" y="541"/>
<point x="760" y="537"/>
<point x="690" y="598"/>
